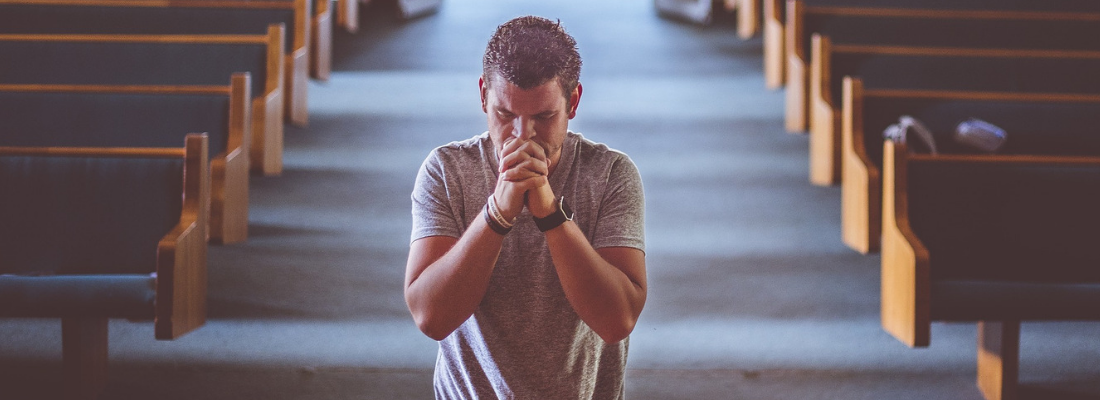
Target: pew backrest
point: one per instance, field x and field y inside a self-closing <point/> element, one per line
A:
<point x="147" y="60"/>
<point x="960" y="69"/>
<point x="151" y="18"/>
<point x="1036" y="123"/>
<point x="114" y="116"/>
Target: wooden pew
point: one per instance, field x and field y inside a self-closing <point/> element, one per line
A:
<point x="92" y="233"/>
<point x="193" y="17"/>
<point x="144" y="116"/>
<point x="1027" y="117"/>
<point x="992" y="239"/>
<point x="933" y="68"/>
<point x="996" y="26"/>
<point x="158" y="60"/>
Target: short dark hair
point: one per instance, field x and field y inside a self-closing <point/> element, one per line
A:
<point x="530" y="51"/>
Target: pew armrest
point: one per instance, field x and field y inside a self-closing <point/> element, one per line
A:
<point x="181" y="254"/>
<point x="906" y="307"/>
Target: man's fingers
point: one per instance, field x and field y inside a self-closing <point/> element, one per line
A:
<point x="526" y="169"/>
<point x="515" y="151"/>
<point x="524" y="160"/>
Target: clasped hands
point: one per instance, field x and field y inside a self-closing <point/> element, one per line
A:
<point x="524" y="179"/>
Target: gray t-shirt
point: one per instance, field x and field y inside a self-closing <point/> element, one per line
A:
<point x="525" y="341"/>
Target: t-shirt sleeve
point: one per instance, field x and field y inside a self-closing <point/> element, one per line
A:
<point x="622" y="210"/>
<point x="432" y="209"/>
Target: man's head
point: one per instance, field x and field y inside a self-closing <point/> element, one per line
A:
<point x="530" y="51"/>
<point x="530" y="88"/>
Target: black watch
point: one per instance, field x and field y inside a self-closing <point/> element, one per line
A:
<point x="555" y="219"/>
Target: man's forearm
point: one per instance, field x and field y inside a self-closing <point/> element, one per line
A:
<point x="448" y="290"/>
<point x="607" y="296"/>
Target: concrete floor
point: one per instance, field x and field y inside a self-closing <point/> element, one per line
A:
<point x="752" y="294"/>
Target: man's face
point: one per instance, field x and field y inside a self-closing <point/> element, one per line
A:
<point x="540" y="114"/>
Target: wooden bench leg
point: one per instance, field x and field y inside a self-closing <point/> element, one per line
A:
<point x="998" y="359"/>
<point x="84" y="352"/>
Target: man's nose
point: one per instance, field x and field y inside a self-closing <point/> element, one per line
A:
<point x="523" y="128"/>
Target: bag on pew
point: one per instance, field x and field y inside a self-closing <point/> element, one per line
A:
<point x="899" y="132"/>
<point x="980" y="135"/>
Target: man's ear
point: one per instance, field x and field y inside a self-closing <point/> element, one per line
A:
<point x="575" y="100"/>
<point x="484" y="99"/>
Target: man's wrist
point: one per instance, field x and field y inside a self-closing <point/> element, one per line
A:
<point x="562" y="213"/>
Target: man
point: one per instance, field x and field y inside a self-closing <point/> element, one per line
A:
<point x="528" y="299"/>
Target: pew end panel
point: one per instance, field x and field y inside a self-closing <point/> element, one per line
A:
<point x="774" y="73"/>
<point x="229" y="172"/>
<point x="181" y="254"/>
<point x="860" y="185"/>
<point x="824" y="120"/>
<point x="748" y="18"/>
<point x="905" y="303"/>
<point x="268" y="111"/>
<point x="320" y="65"/>
<point x="297" y="67"/>
<point x="797" y="80"/>
<point x="347" y="15"/>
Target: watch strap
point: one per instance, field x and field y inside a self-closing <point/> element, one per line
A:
<point x="559" y="216"/>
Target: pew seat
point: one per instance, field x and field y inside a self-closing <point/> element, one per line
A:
<point x="96" y="233"/>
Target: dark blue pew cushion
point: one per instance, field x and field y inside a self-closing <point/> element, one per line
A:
<point x="40" y="119"/>
<point x="85" y="215"/>
<point x="1007" y="223"/>
<point x="113" y="296"/>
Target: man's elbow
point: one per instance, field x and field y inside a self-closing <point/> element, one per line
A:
<point x="426" y="320"/>
<point x="431" y="327"/>
<point x="616" y="332"/>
